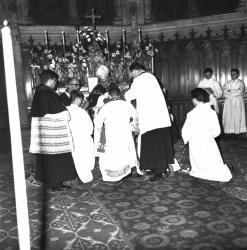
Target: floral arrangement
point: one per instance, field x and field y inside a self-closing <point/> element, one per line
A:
<point x="74" y="60"/>
<point x="70" y="63"/>
<point x="90" y="38"/>
<point x="65" y="65"/>
<point x="150" y="49"/>
<point x="116" y="52"/>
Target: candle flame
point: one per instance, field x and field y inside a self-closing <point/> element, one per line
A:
<point x="5" y="22"/>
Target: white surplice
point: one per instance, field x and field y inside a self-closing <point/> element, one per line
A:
<point x="150" y="104"/>
<point x="81" y="128"/>
<point x="217" y="91"/>
<point x="234" y="121"/>
<point x="120" y="154"/>
<point x="199" y="130"/>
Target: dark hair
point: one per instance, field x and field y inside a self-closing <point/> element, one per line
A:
<point x="208" y="70"/>
<point x="200" y="95"/>
<point x="114" y="91"/>
<point x="235" y="70"/>
<point x="75" y="94"/>
<point x="47" y="75"/>
<point x="136" y="66"/>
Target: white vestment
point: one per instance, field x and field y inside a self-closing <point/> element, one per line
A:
<point x="217" y="91"/>
<point x="199" y="130"/>
<point x="81" y="128"/>
<point x="120" y="154"/>
<point x="150" y="104"/>
<point x="234" y="121"/>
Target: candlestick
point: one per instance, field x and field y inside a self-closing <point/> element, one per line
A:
<point x="152" y="64"/>
<point x="107" y="37"/>
<point x="77" y="36"/>
<point x="107" y="44"/>
<point x="139" y="35"/>
<point x="63" y="42"/>
<point x="46" y="40"/>
<point x="124" y="36"/>
<point x="124" y="40"/>
<point x="16" y="141"/>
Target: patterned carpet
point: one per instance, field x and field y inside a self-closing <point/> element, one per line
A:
<point x="179" y="212"/>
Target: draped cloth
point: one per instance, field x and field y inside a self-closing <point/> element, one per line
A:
<point x="56" y="167"/>
<point x="50" y="136"/>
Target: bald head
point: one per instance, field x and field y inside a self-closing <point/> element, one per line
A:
<point x="73" y="84"/>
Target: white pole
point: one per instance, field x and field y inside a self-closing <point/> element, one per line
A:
<point x="16" y="142"/>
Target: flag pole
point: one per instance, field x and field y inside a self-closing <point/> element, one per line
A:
<point x="16" y="141"/>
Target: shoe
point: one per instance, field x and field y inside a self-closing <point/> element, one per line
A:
<point x="54" y="189"/>
<point x="137" y="175"/>
<point x="155" y="177"/>
<point x="65" y="186"/>
<point x="149" y="172"/>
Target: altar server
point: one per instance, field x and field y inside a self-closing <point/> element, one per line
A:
<point x="119" y="154"/>
<point x="81" y="128"/>
<point x="200" y="130"/>
<point x="212" y="87"/>
<point x="234" y="121"/>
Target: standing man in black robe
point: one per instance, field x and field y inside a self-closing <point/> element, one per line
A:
<point x="51" y="169"/>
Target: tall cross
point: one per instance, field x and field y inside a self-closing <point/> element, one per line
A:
<point x="93" y="17"/>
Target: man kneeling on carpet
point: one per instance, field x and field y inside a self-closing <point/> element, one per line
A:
<point x="200" y="130"/>
<point x="81" y="127"/>
<point x="119" y="154"/>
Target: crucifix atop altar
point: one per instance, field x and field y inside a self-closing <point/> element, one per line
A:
<point x="93" y="17"/>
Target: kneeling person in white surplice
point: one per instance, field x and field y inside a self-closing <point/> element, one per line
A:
<point x="119" y="155"/>
<point x="200" y="130"/>
<point x="81" y="128"/>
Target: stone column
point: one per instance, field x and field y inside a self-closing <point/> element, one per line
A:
<point x="22" y="101"/>
<point x="126" y="13"/>
<point x="73" y="14"/>
<point x="242" y="6"/>
<point x="147" y="11"/>
<point x="118" y="14"/>
<point x="23" y="11"/>
<point x="193" y="8"/>
<point x="140" y="11"/>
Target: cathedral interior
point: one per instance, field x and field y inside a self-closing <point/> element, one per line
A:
<point x="180" y="212"/>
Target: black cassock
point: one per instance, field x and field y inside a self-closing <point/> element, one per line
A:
<point x="52" y="169"/>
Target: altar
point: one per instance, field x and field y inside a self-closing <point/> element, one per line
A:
<point x="80" y="53"/>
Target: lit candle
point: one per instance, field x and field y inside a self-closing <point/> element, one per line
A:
<point x="16" y="141"/>
<point x="152" y="64"/>
<point x="77" y="36"/>
<point x="124" y="36"/>
<point x="107" y="37"/>
<point x="46" y="40"/>
<point x="63" y="41"/>
<point x="139" y="35"/>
